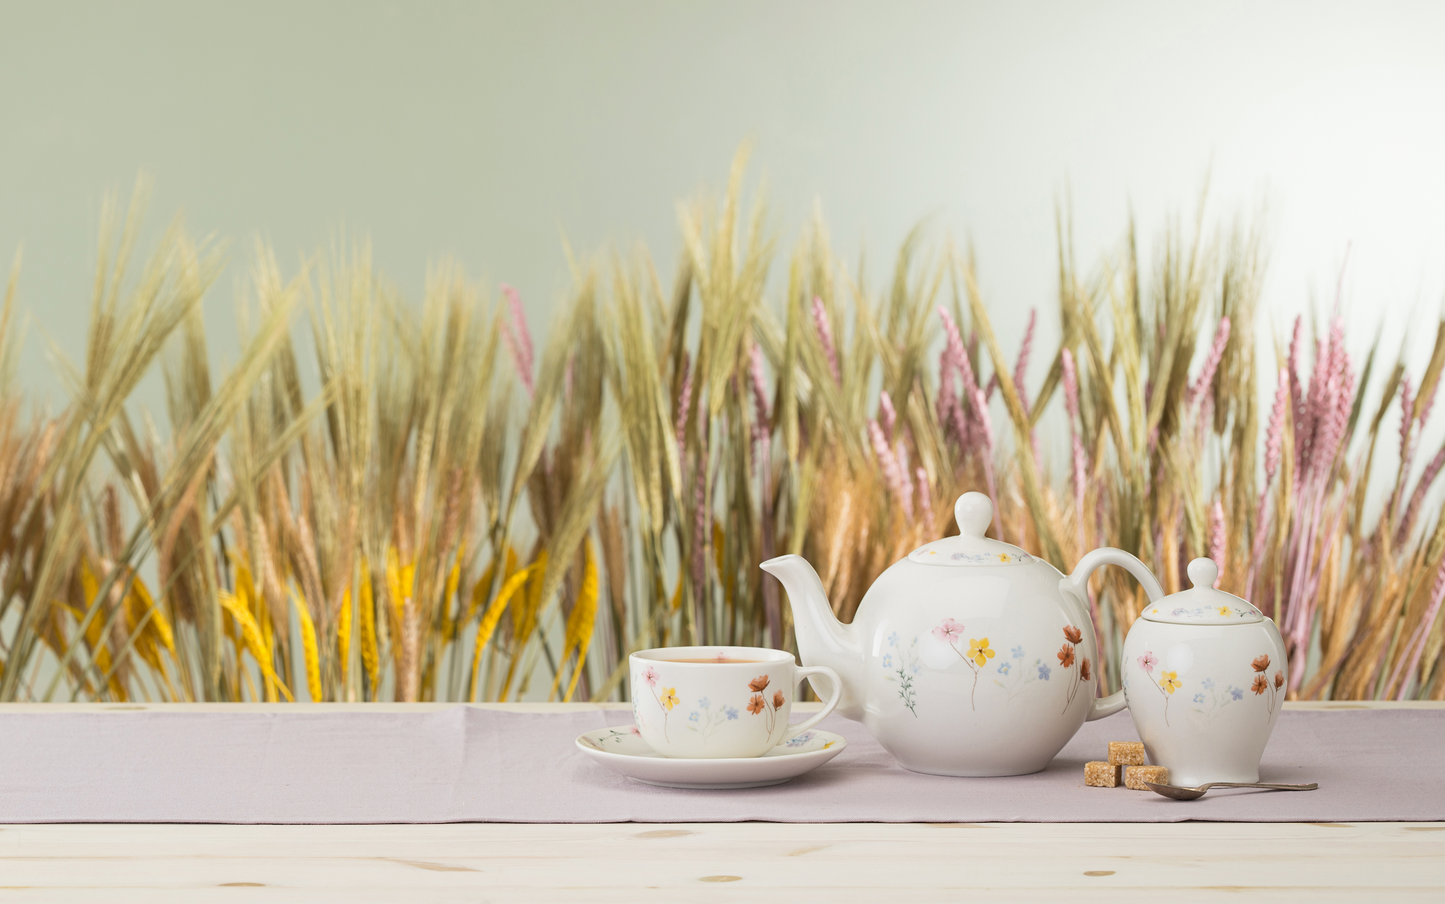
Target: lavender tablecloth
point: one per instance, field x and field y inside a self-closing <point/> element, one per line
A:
<point x="472" y="765"/>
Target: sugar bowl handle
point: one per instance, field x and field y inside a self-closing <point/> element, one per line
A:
<point x="1107" y="706"/>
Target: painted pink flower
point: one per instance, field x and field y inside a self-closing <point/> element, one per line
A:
<point x="650" y="676"/>
<point x="635" y="731"/>
<point x="1147" y="662"/>
<point x="949" y="631"/>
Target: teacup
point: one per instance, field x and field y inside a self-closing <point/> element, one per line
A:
<point x="719" y="702"/>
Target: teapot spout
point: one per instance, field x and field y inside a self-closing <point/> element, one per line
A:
<point x="822" y="639"/>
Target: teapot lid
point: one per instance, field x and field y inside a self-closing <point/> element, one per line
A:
<point x="974" y="513"/>
<point x="1202" y="604"/>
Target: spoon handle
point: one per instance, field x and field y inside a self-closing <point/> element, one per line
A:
<point x="1276" y="787"/>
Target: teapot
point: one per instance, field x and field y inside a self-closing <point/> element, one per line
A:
<point x="968" y="656"/>
<point x="1205" y="674"/>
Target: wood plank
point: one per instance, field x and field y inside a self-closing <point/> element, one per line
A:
<point x="715" y="862"/>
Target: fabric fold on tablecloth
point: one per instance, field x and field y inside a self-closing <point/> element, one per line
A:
<point x="466" y="764"/>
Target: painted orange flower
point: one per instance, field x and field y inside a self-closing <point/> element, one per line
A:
<point x="777" y="699"/>
<point x="1261" y="684"/>
<point x="1084" y="669"/>
<point x="758" y="684"/>
<point x="1066" y="655"/>
<point x="1073" y="634"/>
<point x="1261" y="663"/>
<point x="756" y="705"/>
<point x="1278" y="680"/>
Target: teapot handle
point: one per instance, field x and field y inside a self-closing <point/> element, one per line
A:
<point x="1107" y="706"/>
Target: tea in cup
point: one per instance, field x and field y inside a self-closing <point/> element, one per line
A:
<point x="719" y="702"/>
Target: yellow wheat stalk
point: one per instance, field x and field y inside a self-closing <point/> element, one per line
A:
<point x="489" y="621"/>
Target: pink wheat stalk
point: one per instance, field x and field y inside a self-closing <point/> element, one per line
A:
<point x="1296" y="394"/>
<point x="519" y="344"/>
<point x="1428" y="404"/>
<point x="887" y="414"/>
<point x="1216" y="537"/>
<point x="684" y="401"/>
<point x="971" y="392"/>
<point x="1211" y="363"/>
<point x="1021" y="366"/>
<point x="825" y="336"/>
<point x="1273" y="446"/>
<point x="1331" y="407"/>
<point x="950" y="410"/>
<point x="760" y="405"/>
<point x="1417" y="498"/>
<point x="892" y="473"/>
<point x="1416" y="646"/>
<point x="1407" y="414"/>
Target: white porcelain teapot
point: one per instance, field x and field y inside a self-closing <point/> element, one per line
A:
<point x="1205" y="674"/>
<point x="967" y="657"/>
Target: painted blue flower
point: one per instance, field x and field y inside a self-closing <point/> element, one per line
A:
<point x="692" y="716"/>
<point x="704" y="703"/>
<point x="1207" y="683"/>
<point x="1017" y="652"/>
<point x="1198" y="698"/>
<point x="1043" y="671"/>
<point x="893" y="639"/>
<point x="888" y="661"/>
<point x="1003" y="667"/>
<point x="1236" y="693"/>
<point x="917" y="669"/>
<point x="732" y="713"/>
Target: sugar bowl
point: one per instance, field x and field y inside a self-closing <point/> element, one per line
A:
<point x="1205" y="676"/>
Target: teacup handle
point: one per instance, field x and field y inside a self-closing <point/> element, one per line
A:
<point x="833" y="698"/>
<point x="1107" y="706"/>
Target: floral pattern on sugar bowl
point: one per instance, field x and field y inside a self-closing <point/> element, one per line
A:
<point x="1204" y="688"/>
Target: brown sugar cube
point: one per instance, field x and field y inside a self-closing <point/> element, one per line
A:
<point x="1126" y="753"/>
<point x="1136" y="776"/>
<point x="1101" y="775"/>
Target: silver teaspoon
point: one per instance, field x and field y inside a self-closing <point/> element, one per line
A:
<point x="1180" y="793"/>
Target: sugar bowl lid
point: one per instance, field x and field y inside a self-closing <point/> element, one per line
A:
<point x="1202" y="604"/>
<point x="974" y="513"/>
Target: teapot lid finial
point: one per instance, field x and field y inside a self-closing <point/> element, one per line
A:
<point x="974" y="513"/>
<point x="1203" y="572"/>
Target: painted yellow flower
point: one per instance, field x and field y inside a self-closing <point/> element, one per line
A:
<point x="978" y="651"/>
<point x="1224" y="610"/>
<point x="668" y="698"/>
<point x="1003" y="557"/>
<point x="1170" y="681"/>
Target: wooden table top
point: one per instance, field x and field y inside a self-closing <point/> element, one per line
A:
<point x="996" y="862"/>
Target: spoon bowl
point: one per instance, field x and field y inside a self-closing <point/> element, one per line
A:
<point x="1178" y="792"/>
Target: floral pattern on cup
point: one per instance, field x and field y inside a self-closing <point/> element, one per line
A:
<point x="760" y="704"/>
<point x="976" y="656"/>
<point x="665" y="700"/>
<point x="708" y="718"/>
<point x="1066" y="656"/>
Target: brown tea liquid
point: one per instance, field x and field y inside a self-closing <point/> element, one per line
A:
<point x="717" y="659"/>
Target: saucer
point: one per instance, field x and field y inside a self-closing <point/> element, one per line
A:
<point x="624" y="752"/>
